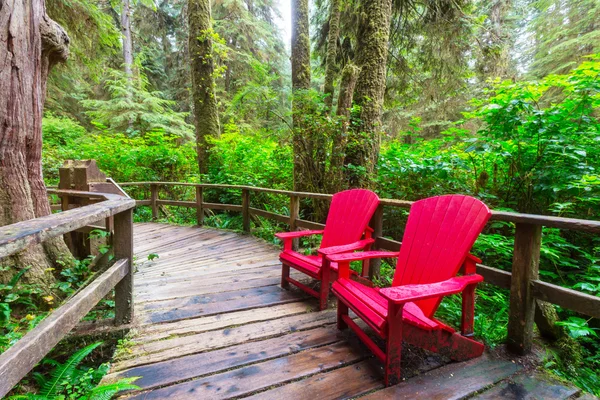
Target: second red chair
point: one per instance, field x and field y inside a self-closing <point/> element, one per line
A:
<point x="346" y="230"/>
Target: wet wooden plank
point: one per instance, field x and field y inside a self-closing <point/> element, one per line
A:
<point x="176" y="347"/>
<point x="343" y="383"/>
<point x="207" y="307"/>
<point x="196" y="365"/>
<point x="454" y="381"/>
<point x="150" y="333"/>
<point x="191" y="301"/>
<point x="254" y="377"/>
<point x="203" y="287"/>
<point x="531" y="386"/>
<point x="167" y="276"/>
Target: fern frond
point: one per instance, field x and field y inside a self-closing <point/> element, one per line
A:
<point x="18" y="276"/>
<point x="106" y="392"/>
<point x="66" y="370"/>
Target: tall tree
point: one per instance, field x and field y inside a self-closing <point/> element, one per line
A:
<point x="362" y="150"/>
<point x="335" y="174"/>
<point x="30" y="44"/>
<point x="563" y="32"/>
<point x="332" y="39"/>
<point x="203" y="83"/>
<point x="127" y="39"/>
<point x="302" y="140"/>
<point x="496" y="41"/>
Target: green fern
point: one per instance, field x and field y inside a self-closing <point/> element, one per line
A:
<point x="67" y="381"/>
<point x="65" y="371"/>
<point x="106" y="392"/>
<point x="15" y="279"/>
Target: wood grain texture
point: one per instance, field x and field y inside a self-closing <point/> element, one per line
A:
<point x="454" y="381"/>
<point x="16" y="237"/>
<point x="246" y="380"/>
<point x="529" y="387"/>
<point x="195" y="365"/>
<point x="525" y="266"/>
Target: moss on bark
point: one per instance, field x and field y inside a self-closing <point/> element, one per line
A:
<point x="332" y="38"/>
<point x="305" y="168"/>
<point x="335" y="174"/>
<point x="371" y="56"/>
<point x="36" y="43"/>
<point x="204" y="99"/>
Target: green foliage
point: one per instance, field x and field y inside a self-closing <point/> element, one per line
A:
<point x="135" y="110"/>
<point x="154" y="156"/>
<point x="250" y="159"/>
<point x="18" y="305"/>
<point x="71" y="381"/>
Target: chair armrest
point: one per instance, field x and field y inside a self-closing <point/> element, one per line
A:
<point x="361" y="244"/>
<point x="407" y="293"/>
<point x="365" y="255"/>
<point x="476" y="259"/>
<point x="296" y="234"/>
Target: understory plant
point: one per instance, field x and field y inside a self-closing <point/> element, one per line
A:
<point x="70" y="380"/>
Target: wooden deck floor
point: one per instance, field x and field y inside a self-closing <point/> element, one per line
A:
<point x="213" y="323"/>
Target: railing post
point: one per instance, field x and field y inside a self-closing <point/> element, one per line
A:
<point x="246" y="210"/>
<point x="294" y="216"/>
<point x="154" y="199"/>
<point x="377" y="225"/>
<point x="525" y="267"/>
<point x="199" y="207"/>
<point x="123" y="248"/>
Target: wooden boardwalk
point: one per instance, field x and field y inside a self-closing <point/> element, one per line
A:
<point x="212" y="322"/>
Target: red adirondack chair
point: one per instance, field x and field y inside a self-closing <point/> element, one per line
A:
<point x="438" y="237"/>
<point x="346" y="229"/>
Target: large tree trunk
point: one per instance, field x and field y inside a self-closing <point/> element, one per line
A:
<point x="127" y="40"/>
<point x="335" y="176"/>
<point x="30" y="44"/>
<point x="495" y="43"/>
<point x="302" y="141"/>
<point x="362" y="151"/>
<point x="203" y="83"/>
<point x="332" y="38"/>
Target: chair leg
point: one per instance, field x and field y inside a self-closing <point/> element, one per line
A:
<point x="324" y="293"/>
<point x="285" y="273"/>
<point x="393" y="372"/>
<point x="468" y="310"/>
<point x="342" y="309"/>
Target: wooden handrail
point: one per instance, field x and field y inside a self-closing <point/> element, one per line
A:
<point x="16" y="237"/>
<point x="585" y="225"/>
<point x="20" y="358"/>
<point x="524" y="290"/>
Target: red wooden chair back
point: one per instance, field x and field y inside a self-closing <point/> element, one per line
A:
<point x="439" y="234"/>
<point x="348" y="217"/>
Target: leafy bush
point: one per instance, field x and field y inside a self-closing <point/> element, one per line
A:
<point x="70" y="381"/>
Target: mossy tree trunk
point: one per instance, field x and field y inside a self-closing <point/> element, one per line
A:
<point x="362" y="149"/>
<point x="30" y="44"/>
<point x="496" y="42"/>
<point x="204" y="99"/>
<point x="127" y="39"/>
<point x="335" y="175"/>
<point x="332" y="38"/>
<point x="305" y="169"/>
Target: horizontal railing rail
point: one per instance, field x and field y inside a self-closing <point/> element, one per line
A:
<point x="20" y="358"/>
<point x="523" y="280"/>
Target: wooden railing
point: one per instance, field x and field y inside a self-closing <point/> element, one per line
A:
<point x="523" y="282"/>
<point x="20" y="358"/>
